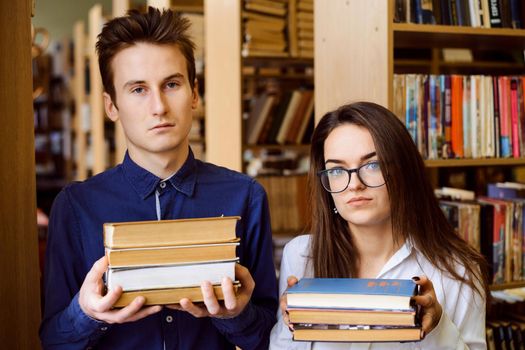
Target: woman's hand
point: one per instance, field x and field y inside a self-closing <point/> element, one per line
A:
<point x="431" y="310"/>
<point x="291" y="280"/>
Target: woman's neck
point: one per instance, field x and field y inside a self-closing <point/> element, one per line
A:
<point x="375" y="245"/>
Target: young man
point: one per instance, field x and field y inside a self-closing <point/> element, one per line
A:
<point x="148" y="70"/>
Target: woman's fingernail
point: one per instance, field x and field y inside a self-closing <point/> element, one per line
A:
<point x="415" y="278"/>
<point x="422" y="334"/>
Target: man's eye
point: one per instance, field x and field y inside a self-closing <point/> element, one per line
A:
<point x="172" y="85"/>
<point x="138" y="90"/>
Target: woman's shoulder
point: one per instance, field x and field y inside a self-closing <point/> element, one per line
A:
<point x="298" y="244"/>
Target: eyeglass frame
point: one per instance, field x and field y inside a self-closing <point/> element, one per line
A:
<point x="350" y="172"/>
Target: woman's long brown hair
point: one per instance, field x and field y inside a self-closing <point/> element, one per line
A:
<point x="415" y="212"/>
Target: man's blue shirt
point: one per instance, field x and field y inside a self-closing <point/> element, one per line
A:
<point x="127" y="193"/>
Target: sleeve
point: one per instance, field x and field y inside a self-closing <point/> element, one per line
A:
<point x="251" y="329"/>
<point x="64" y="324"/>
<point x="462" y="323"/>
<point x="281" y="336"/>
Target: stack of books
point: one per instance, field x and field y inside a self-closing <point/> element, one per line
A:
<point x="167" y="260"/>
<point x="264" y="23"/>
<point x="301" y="28"/>
<point x="353" y="310"/>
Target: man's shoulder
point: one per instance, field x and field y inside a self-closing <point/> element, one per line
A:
<point x="215" y="172"/>
<point x="100" y="181"/>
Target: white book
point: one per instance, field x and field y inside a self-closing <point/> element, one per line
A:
<point x="172" y="276"/>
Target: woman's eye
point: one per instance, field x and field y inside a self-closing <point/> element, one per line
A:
<point x="373" y="166"/>
<point x="335" y="172"/>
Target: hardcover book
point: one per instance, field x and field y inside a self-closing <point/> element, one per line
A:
<point x="352" y="293"/>
<point x="169" y="232"/>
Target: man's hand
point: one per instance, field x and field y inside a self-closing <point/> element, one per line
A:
<point x="98" y="306"/>
<point x="233" y="304"/>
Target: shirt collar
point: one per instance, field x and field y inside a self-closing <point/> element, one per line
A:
<point x="399" y="256"/>
<point x="145" y="183"/>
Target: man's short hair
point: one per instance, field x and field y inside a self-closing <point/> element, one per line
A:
<point x="153" y="27"/>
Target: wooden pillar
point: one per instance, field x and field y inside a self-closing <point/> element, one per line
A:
<point x="353" y="53"/>
<point x="222" y="32"/>
<point x="120" y="7"/>
<point x="98" y="143"/>
<point x="20" y="287"/>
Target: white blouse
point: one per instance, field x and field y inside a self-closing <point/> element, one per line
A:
<point x="462" y="324"/>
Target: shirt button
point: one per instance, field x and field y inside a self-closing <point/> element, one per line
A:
<point x="104" y="329"/>
<point x="169" y="319"/>
<point x="162" y="185"/>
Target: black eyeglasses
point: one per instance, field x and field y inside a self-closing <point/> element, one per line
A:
<point x="336" y="180"/>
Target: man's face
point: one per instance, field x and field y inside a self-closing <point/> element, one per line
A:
<point x="154" y="100"/>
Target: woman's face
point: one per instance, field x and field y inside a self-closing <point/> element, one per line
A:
<point x="349" y="146"/>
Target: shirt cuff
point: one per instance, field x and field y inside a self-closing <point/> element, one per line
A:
<point x="83" y="324"/>
<point x="238" y="323"/>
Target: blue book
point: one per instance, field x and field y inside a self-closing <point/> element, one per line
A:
<point x="352" y="293"/>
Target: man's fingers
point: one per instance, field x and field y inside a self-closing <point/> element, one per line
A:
<point x="210" y="300"/>
<point x="97" y="271"/>
<point x="230" y="299"/>
<point x="145" y="312"/>
<point x="108" y="300"/>
<point x="193" y="309"/>
<point x="244" y="276"/>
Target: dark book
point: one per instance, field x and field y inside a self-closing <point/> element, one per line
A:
<point x="506" y="20"/>
<point x="497" y="133"/>
<point x="278" y="117"/>
<point x="515" y="14"/>
<point x="495" y="14"/>
<point x="453" y="12"/>
<point x="400" y="11"/>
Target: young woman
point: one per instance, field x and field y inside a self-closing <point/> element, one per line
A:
<point x="374" y="215"/>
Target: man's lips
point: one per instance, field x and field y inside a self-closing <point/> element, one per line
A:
<point x="161" y="126"/>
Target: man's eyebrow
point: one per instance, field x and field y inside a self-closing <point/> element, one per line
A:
<point x="138" y="82"/>
<point x="363" y="158"/>
<point x="174" y="76"/>
<point x="133" y="82"/>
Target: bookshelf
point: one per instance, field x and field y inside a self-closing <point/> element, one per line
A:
<point x="344" y="73"/>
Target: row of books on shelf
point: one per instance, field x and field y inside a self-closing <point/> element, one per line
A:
<point x="165" y="261"/>
<point x="463" y="116"/>
<point x="353" y="310"/>
<point x="506" y="319"/>
<point x="473" y="13"/>
<point x="286" y="118"/>
<point x="277" y="28"/>
<point x="287" y="201"/>
<point x="493" y="224"/>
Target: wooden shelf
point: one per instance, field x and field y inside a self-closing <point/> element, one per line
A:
<point x="509" y="285"/>
<point x="437" y="163"/>
<point x="280" y="77"/>
<point x="300" y="148"/>
<point x="425" y="35"/>
<point x="276" y="61"/>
